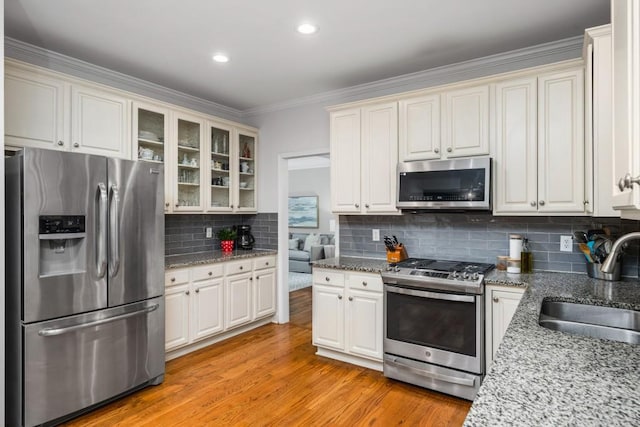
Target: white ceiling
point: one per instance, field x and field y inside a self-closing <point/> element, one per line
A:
<point x="171" y="42"/>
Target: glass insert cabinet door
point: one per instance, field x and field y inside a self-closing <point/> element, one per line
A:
<point x="150" y="133"/>
<point x="188" y="165"/>
<point x="222" y="170"/>
<point x="247" y="155"/>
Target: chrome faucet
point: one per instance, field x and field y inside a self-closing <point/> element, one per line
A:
<point x="610" y="262"/>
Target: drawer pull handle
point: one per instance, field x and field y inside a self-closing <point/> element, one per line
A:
<point x="210" y="273"/>
<point x="327" y="279"/>
<point x="173" y="279"/>
<point x="364" y="283"/>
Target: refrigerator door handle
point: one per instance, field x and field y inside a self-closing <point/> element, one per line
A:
<point x="49" y="332"/>
<point x="101" y="256"/>
<point x="114" y="231"/>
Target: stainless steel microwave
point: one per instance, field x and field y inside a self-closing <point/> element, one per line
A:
<point x="456" y="184"/>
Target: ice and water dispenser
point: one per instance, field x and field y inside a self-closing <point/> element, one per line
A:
<point x="62" y="245"/>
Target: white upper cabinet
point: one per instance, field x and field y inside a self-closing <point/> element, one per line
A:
<point x="364" y="157"/>
<point x="419" y="133"/>
<point x="345" y="161"/>
<point x="100" y="122"/>
<point x="515" y="163"/>
<point x="465" y="118"/>
<point x="599" y="121"/>
<point x="44" y="111"/>
<point x="625" y="17"/>
<point x="561" y="142"/>
<point x="188" y="160"/>
<point x="36" y="110"/>
<point x="539" y="149"/>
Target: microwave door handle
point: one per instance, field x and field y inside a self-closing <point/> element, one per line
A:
<point x="431" y="295"/>
<point x="114" y="231"/>
<point x="467" y="382"/>
<point x="101" y="243"/>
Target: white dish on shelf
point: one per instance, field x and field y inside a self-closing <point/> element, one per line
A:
<point x="147" y="135"/>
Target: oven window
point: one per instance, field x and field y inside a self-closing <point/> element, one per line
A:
<point x="451" y="185"/>
<point x="446" y="325"/>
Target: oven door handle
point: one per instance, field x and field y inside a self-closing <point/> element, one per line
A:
<point x="467" y="382"/>
<point x="432" y="295"/>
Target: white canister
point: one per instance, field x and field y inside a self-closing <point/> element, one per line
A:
<point x="515" y="246"/>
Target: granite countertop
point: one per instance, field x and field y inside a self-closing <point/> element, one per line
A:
<point x="544" y="377"/>
<point x="369" y="265"/>
<point x="211" y="257"/>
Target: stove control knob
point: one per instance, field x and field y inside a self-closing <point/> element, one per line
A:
<point x="396" y="269"/>
<point x="465" y="276"/>
<point x="455" y="274"/>
<point x="475" y="276"/>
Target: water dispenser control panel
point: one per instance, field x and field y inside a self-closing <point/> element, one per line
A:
<point x="61" y="224"/>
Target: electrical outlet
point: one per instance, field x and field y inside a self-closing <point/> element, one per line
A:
<point x="566" y="244"/>
<point x="208" y="231"/>
<point x="375" y="235"/>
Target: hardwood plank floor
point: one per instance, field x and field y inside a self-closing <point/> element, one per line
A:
<point x="271" y="376"/>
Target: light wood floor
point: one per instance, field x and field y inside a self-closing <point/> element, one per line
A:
<point x="271" y="376"/>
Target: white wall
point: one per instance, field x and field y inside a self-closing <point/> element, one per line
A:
<point x="313" y="182"/>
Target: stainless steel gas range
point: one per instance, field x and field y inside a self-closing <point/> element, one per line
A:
<point x="434" y="324"/>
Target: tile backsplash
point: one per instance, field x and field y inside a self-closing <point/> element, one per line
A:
<point x="480" y="237"/>
<point x="186" y="233"/>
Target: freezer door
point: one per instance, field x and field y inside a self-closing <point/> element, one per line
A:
<point x="136" y="231"/>
<point x="79" y="361"/>
<point x="62" y="276"/>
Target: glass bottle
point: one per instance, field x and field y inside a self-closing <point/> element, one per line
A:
<point x="526" y="257"/>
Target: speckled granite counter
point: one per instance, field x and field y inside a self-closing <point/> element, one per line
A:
<point x="542" y="377"/>
<point x="187" y="260"/>
<point x="369" y="265"/>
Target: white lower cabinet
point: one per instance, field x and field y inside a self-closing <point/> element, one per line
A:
<point x="348" y="316"/>
<point x="208" y="301"/>
<point x="501" y="304"/>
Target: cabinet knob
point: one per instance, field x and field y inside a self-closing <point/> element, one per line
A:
<point x="628" y="181"/>
<point x="251" y="279"/>
<point x="198" y="291"/>
<point x="364" y="283"/>
<point x="240" y="268"/>
<point x="76" y="145"/>
<point x="495" y="299"/>
<point x="350" y="298"/>
<point x="366" y="205"/>
<point x="173" y="279"/>
<point x="60" y="143"/>
<point x="449" y="149"/>
<point x="167" y="204"/>
<point x="357" y="205"/>
<point x="187" y="292"/>
<point x="533" y="203"/>
<point x="231" y="206"/>
<point x="210" y="273"/>
<point x="177" y="205"/>
<point x="327" y="279"/>
<point x="266" y="263"/>
<point x="541" y="202"/>
<point x="339" y="296"/>
<point x="436" y="150"/>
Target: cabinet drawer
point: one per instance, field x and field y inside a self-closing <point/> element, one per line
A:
<point x="176" y="277"/>
<point x="207" y="272"/>
<point x="365" y="282"/>
<point x="328" y="277"/>
<point x="235" y="267"/>
<point x="264" y="262"/>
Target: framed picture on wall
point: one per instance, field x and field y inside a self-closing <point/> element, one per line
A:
<point x="303" y="212"/>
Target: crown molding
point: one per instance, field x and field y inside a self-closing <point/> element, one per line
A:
<point x="35" y="55"/>
<point x="546" y="53"/>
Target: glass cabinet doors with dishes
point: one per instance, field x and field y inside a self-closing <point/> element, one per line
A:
<point x="188" y="162"/>
<point x="247" y="154"/>
<point x="221" y="166"/>
<point x="150" y="133"/>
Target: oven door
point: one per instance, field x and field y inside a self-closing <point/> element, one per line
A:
<point x="440" y="328"/>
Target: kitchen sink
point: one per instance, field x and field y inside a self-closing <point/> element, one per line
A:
<point x="608" y="323"/>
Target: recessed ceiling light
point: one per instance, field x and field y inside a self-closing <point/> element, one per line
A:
<point x="307" y="28"/>
<point x="220" y="57"/>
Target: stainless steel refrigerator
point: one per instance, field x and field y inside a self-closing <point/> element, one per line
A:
<point x="84" y="282"/>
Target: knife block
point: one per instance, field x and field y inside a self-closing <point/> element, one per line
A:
<point x="397" y="255"/>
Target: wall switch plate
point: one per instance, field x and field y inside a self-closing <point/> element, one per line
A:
<point x="375" y="235"/>
<point x="208" y="231"/>
<point x="566" y="244"/>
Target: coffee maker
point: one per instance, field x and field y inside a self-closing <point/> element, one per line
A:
<point x="244" y="238"/>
